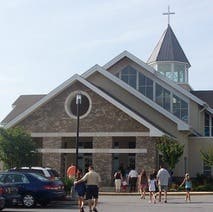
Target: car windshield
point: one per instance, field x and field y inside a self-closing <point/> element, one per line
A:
<point x="39" y="177"/>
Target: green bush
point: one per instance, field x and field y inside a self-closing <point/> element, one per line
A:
<point x="206" y="187"/>
<point x="68" y="183"/>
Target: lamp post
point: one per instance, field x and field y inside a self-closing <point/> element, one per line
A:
<point x="78" y="103"/>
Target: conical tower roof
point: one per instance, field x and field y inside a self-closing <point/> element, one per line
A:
<point x="168" y="49"/>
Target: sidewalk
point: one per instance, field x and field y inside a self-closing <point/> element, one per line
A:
<point x="170" y="193"/>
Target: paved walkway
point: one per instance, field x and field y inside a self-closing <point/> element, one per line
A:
<point x="133" y="203"/>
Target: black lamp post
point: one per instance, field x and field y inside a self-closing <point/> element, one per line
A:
<point x="78" y="103"/>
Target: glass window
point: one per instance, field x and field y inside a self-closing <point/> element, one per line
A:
<point x="162" y="97"/>
<point x="145" y="86"/>
<point x="180" y="108"/>
<point x="166" y="70"/>
<point x="129" y="75"/>
<point x="212" y="127"/>
<point x="207" y="125"/>
<point x="179" y="70"/>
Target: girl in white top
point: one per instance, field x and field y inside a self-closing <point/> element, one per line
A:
<point x="152" y="188"/>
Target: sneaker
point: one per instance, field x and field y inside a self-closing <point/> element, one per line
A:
<point x="95" y="210"/>
<point x="165" y="201"/>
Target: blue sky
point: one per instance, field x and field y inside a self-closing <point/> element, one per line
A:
<point x="45" y="42"/>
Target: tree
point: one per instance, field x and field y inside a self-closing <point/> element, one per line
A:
<point x="207" y="156"/>
<point x="16" y="148"/>
<point x="171" y="151"/>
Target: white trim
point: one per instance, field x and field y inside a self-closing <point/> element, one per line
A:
<point x="109" y="151"/>
<point x="70" y="98"/>
<point x="153" y="130"/>
<point x="43" y="100"/>
<point x="90" y="134"/>
<point x="153" y="71"/>
<point x="181" y="124"/>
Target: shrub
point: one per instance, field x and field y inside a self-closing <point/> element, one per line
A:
<point x="68" y="184"/>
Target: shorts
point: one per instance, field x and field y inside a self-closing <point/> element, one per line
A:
<point x="92" y="192"/>
<point x="163" y="187"/>
<point x="80" y="189"/>
<point x="188" y="189"/>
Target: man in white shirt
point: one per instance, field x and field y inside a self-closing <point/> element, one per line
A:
<point x="163" y="177"/>
<point x="132" y="178"/>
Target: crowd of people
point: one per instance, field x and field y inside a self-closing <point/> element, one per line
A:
<point x="87" y="185"/>
<point x="156" y="183"/>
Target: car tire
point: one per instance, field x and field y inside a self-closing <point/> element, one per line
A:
<point x="28" y="200"/>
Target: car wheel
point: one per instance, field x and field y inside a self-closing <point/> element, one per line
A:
<point x="28" y="200"/>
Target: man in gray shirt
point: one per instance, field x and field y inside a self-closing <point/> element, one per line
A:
<point x="163" y="177"/>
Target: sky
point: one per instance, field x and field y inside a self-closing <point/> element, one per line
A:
<point x="45" y="42"/>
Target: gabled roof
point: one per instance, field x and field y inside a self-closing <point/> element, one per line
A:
<point x="168" y="49"/>
<point x="206" y="96"/>
<point x="153" y="130"/>
<point x="20" y="105"/>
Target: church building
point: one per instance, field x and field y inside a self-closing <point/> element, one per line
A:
<point x="124" y="107"/>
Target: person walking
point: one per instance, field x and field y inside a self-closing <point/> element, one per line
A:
<point x="143" y="183"/>
<point x="93" y="180"/>
<point x="118" y="179"/>
<point x="80" y="188"/>
<point x="152" y="188"/>
<point x="188" y="187"/>
<point x="132" y="178"/>
<point x="163" y="177"/>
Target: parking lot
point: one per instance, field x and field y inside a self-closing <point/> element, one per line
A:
<point x="132" y="203"/>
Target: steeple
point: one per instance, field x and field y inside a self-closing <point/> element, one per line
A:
<point x="168" y="57"/>
<point x="168" y="49"/>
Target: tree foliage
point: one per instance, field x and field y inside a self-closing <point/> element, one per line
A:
<point x="16" y="148"/>
<point x="171" y="151"/>
<point x="207" y="156"/>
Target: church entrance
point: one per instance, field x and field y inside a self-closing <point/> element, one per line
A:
<point x="123" y="161"/>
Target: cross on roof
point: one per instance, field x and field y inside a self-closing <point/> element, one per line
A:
<point x="169" y="13"/>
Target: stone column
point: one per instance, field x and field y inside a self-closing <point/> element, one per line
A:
<point x="147" y="161"/>
<point x="52" y="159"/>
<point x="102" y="162"/>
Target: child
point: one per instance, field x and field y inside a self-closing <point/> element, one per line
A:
<point x="152" y="189"/>
<point x="142" y="183"/>
<point x="124" y="185"/>
<point x="80" y="188"/>
<point x="188" y="186"/>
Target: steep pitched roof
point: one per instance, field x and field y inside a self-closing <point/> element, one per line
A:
<point x="168" y="49"/>
<point x="153" y="130"/>
<point x="20" y="105"/>
<point x="206" y="96"/>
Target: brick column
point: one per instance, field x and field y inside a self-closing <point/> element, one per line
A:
<point x="147" y="161"/>
<point x="102" y="162"/>
<point x="52" y="159"/>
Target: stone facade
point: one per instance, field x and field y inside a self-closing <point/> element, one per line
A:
<point x="103" y="162"/>
<point x="147" y="161"/>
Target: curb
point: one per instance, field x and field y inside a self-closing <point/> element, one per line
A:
<point x="147" y="193"/>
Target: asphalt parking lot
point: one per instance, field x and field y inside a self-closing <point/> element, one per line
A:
<point x="132" y="203"/>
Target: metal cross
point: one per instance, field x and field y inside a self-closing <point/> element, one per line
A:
<point x="169" y="13"/>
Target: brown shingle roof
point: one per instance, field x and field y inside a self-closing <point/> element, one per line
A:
<point x="206" y="96"/>
<point x="20" y="105"/>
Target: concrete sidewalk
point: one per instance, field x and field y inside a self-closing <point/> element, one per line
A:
<point x="169" y="193"/>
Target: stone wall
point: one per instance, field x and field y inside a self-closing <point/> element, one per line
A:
<point x="102" y="162"/>
<point x="52" y="160"/>
<point x="146" y="161"/>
